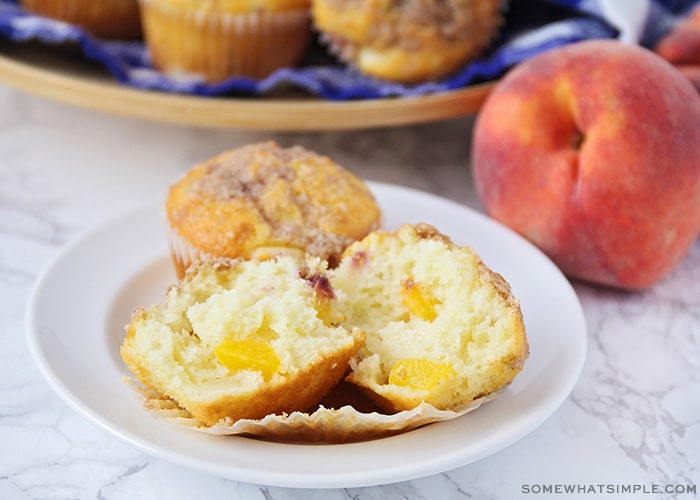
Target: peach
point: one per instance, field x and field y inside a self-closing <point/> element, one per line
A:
<point x="681" y="47"/>
<point x="592" y="152"/>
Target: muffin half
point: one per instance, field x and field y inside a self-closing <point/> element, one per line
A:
<point x="242" y="339"/>
<point x="442" y="327"/>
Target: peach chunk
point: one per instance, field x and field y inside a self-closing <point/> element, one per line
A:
<point x="418" y="301"/>
<point x="419" y="373"/>
<point x="323" y="296"/>
<point x="237" y="355"/>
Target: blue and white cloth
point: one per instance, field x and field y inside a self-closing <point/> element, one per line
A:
<point x="531" y="27"/>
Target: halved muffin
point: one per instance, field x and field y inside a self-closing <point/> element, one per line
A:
<point x="442" y="327"/>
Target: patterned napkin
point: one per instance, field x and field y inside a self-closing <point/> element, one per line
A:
<point x="531" y="27"/>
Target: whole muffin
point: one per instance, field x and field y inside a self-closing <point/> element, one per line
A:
<point x="114" y="19"/>
<point x="218" y="39"/>
<point x="442" y="328"/>
<point x="408" y="41"/>
<point x="261" y="200"/>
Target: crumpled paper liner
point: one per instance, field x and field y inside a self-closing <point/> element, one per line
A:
<point x="323" y="425"/>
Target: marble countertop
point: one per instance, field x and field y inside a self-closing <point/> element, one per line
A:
<point x="632" y="422"/>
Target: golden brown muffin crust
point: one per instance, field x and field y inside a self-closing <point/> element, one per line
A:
<point x="264" y="196"/>
<point x="403" y="23"/>
<point x="230" y="177"/>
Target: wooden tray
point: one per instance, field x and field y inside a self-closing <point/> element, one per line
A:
<point x="64" y="76"/>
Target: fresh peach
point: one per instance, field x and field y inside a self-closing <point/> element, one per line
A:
<point x="681" y="45"/>
<point x="592" y="151"/>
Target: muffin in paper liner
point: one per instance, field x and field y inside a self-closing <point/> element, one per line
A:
<point x="261" y="200"/>
<point x="216" y="41"/>
<point x="345" y="424"/>
<point x="408" y="42"/>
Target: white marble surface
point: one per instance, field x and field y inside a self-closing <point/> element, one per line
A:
<point x="632" y="419"/>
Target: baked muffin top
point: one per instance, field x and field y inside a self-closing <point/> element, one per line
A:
<point x="410" y="23"/>
<point x="262" y="196"/>
<point x="407" y="40"/>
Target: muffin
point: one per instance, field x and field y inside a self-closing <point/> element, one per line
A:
<point x="262" y="200"/>
<point x="112" y="19"/>
<point x="215" y="40"/>
<point x="241" y="339"/>
<point x="442" y="328"/>
<point x="410" y="41"/>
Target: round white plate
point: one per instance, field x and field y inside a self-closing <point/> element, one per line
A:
<point x="80" y="304"/>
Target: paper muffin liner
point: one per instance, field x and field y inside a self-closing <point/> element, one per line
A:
<point x="116" y="19"/>
<point x="323" y="425"/>
<point x="183" y="253"/>
<point x="215" y="46"/>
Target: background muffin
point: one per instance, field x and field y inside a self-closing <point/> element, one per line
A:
<point x="219" y="39"/>
<point x="116" y="19"/>
<point x="261" y="200"/>
<point x="407" y="41"/>
<point x="442" y="328"/>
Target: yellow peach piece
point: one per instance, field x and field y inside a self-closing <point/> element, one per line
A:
<point x="418" y="301"/>
<point x="253" y="355"/>
<point x="418" y="373"/>
<point x="323" y="310"/>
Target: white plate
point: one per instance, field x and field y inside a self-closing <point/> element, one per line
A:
<point x="82" y="301"/>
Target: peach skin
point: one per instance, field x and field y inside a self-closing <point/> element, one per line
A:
<point x="592" y="151"/>
<point x="681" y="47"/>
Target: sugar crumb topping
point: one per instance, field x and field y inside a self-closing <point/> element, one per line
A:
<point x="252" y="172"/>
<point x="245" y="171"/>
